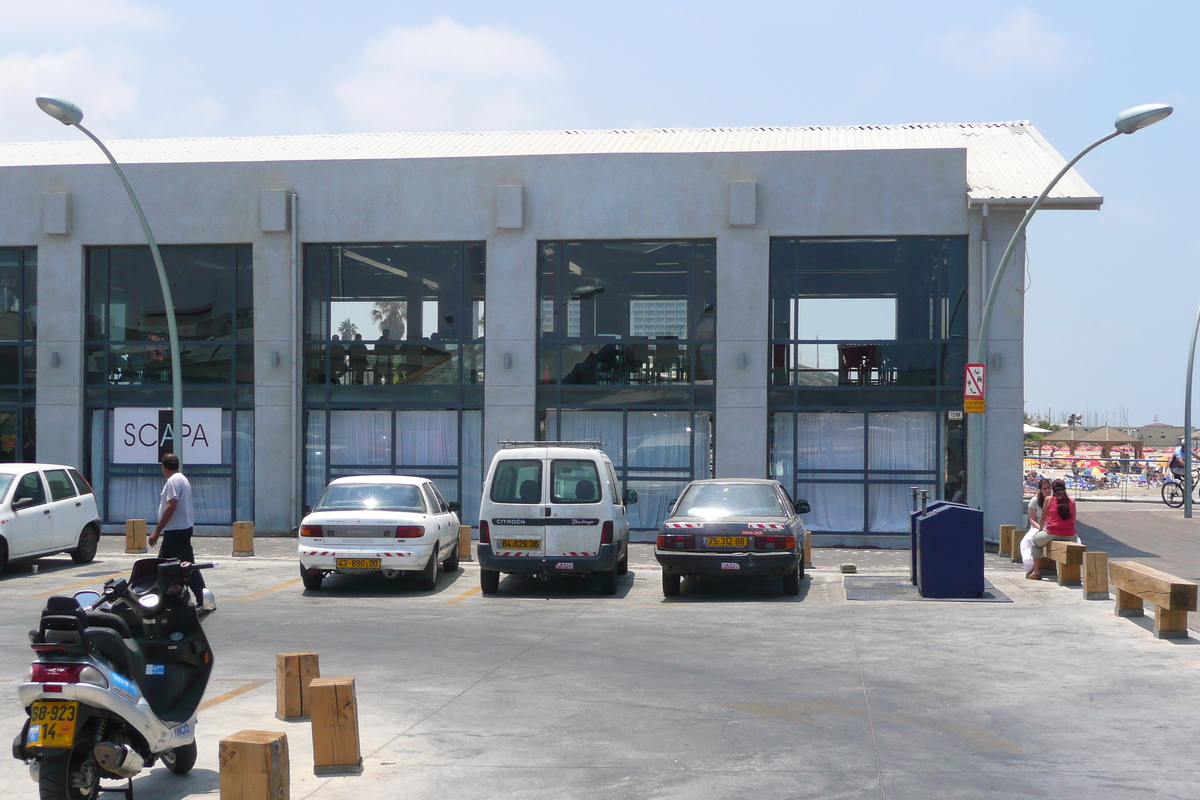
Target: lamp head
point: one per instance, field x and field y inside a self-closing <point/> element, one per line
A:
<point x="64" y="111"/>
<point x="1138" y="117"/>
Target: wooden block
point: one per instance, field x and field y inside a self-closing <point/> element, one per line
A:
<point x="1070" y="574"/>
<point x="293" y="674"/>
<point x="1095" y="575"/>
<point x="243" y="539"/>
<point x="1161" y="589"/>
<point x="808" y="551"/>
<point x="1006" y="536"/>
<point x="135" y="536"/>
<point x="464" y="543"/>
<point x="1170" y="624"/>
<point x="1128" y="604"/>
<point x="1015" y="545"/>
<point x="334" y="709"/>
<point x="254" y="766"/>
<point x="1069" y="553"/>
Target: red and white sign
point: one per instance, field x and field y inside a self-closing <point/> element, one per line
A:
<point x="973" y="388"/>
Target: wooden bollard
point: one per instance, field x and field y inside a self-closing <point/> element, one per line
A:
<point x="293" y="674"/>
<point x="334" y="711"/>
<point x="254" y="766"/>
<point x="808" y="551"/>
<point x="1006" y="537"/>
<point x="135" y="536"/>
<point x="1014" y="550"/>
<point x="464" y="543"/>
<point x="1095" y="576"/>
<point x="243" y="539"/>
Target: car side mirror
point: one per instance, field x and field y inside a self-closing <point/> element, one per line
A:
<point x="22" y="502"/>
<point x="630" y="497"/>
<point x="455" y="506"/>
<point x="803" y="507"/>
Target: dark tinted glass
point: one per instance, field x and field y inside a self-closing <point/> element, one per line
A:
<point x="61" y="487"/>
<point x="30" y="486"/>
<point x="80" y="482"/>
<point x="517" y="481"/>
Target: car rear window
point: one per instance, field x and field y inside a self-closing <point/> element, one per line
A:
<point x="80" y="483"/>
<point x="371" y="497"/>
<point x="574" y="481"/>
<point x="716" y="500"/>
<point x="517" y="481"/>
<point x="61" y="487"/>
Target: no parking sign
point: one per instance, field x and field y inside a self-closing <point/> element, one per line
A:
<point x="973" y="388"/>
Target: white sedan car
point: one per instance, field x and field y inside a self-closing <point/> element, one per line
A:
<point x="46" y="509"/>
<point x="392" y="524"/>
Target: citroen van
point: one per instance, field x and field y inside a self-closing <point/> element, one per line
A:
<point x="553" y="508"/>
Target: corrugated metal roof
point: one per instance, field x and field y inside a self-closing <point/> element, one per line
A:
<point x="1005" y="160"/>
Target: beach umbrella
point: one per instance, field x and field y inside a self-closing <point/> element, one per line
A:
<point x="1095" y="472"/>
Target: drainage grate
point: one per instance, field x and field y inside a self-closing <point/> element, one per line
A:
<point x="899" y="587"/>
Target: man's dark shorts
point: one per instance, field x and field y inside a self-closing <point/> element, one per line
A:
<point x="178" y="544"/>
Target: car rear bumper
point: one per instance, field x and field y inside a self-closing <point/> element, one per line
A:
<point x="402" y="557"/>
<point x="605" y="561"/>
<point x="682" y="563"/>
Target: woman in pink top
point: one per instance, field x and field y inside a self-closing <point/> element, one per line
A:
<point x="1058" y="526"/>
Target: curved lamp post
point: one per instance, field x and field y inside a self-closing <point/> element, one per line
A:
<point x="70" y="114"/>
<point x="1128" y="121"/>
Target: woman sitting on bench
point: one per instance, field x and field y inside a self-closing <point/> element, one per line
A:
<point x="1058" y="526"/>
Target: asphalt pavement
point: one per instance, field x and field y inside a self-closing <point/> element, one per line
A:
<point x="549" y="690"/>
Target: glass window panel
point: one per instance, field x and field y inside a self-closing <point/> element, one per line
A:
<point x="590" y="426"/>
<point x="61" y="487"/>
<point x="472" y="466"/>
<point x="9" y="441"/>
<point x="212" y="497"/>
<point x="703" y="457"/>
<point x="653" y="497"/>
<point x="11" y="314"/>
<point x="574" y="481"/>
<point x="660" y="439"/>
<point x="244" y="315"/>
<point x="830" y="440"/>
<point x="360" y="437"/>
<point x="842" y="318"/>
<point x="836" y="507"/>
<point x="427" y="438"/>
<point x="203" y="284"/>
<point x="244" y="509"/>
<point x="316" y="456"/>
<point x="244" y="372"/>
<point x="903" y="440"/>
<point x="890" y="505"/>
<point x="31" y="294"/>
<point x="517" y="481"/>
<point x="10" y="365"/>
<point x="783" y="448"/>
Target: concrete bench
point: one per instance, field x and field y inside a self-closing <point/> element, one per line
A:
<point x="1068" y="557"/>
<point x="1171" y="597"/>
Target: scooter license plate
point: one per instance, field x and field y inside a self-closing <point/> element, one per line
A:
<point x="52" y="723"/>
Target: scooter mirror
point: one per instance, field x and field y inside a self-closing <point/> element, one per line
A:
<point x="86" y="598"/>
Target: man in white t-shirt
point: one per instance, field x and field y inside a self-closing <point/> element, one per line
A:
<point x="175" y="520"/>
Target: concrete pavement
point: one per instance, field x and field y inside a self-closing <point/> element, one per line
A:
<point x="730" y="690"/>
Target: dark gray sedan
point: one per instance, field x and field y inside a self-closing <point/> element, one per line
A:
<point x="733" y="526"/>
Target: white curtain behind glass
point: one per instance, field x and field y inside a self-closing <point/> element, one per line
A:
<point x="703" y="456"/>
<point x="783" y="457"/>
<point x="427" y="438"/>
<point x="131" y="497"/>
<point x="315" y="447"/>
<point x="590" y="426"/>
<point x="902" y="440"/>
<point x="245" y="465"/>
<point x="360" y="437"/>
<point x="659" y="439"/>
<point x="651" y="507"/>
<point x="472" y="466"/>
<point x="99" y="437"/>
<point x="828" y="441"/>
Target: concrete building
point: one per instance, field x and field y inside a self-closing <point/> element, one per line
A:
<point x="795" y="303"/>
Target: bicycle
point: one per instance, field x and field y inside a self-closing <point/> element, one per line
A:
<point x="1172" y="489"/>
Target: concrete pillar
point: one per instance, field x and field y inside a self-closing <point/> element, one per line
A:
<point x="510" y="337"/>
<point x="743" y="271"/>
<point x="61" y="316"/>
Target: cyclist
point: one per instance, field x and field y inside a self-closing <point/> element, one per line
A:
<point x="1178" y="465"/>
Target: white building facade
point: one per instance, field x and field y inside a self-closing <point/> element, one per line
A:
<point x="788" y="303"/>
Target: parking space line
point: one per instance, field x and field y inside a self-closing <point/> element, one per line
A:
<point x="88" y="582"/>
<point x="464" y="595"/>
<point x="261" y="592"/>
<point x="232" y="693"/>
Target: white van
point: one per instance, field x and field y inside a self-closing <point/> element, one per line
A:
<point x="553" y="508"/>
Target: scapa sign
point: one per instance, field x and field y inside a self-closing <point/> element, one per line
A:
<point x="144" y="435"/>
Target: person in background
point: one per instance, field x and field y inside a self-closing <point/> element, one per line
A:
<point x="358" y="360"/>
<point x="1037" y="518"/>
<point x="175" y="521"/>
<point x="1059" y="526"/>
<point x="1178" y="465"/>
<point x="337" y="360"/>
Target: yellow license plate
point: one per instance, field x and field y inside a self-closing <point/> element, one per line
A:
<point x="357" y="563"/>
<point x="727" y="541"/>
<point x="518" y="544"/>
<point x="52" y="723"/>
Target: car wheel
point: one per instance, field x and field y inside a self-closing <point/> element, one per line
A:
<point x="623" y="563"/>
<point x="489" y="581"/>
<point x="181" y="759"/>
<point x="427" y="581"/>
<point x="791" y="582"/>
<point x="85" y="551"/>
<point x="608" y="582"/>
<point x="451" y="563"/>
<point x="312" y="580"/>
<point x="671" y="582"/>
<point x="3" y="555"/>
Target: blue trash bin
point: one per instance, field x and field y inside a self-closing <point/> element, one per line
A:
<point x="947" y="556"/>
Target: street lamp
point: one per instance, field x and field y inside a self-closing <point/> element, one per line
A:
<point x="1128" y="121"/>
<point x="70" y="114"/>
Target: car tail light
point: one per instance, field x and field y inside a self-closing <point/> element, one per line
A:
<point x="311" y="530"/>
<point x="410" y="531"/>
<point x="774" y="542"/>
<point x="677" y="541"/>
<point x="66" y="673"/>
<point x="485" y="535"/>
<point x="606" y="533"/>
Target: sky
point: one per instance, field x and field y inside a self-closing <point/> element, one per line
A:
<point x="1111" y="295"/>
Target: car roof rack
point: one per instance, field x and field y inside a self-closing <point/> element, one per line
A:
<point x="513" y="443"/>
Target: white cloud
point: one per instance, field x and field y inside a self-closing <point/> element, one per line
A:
<point x="447" y="76"/>
<point x="22" y="16"/>
<point x="1020" y="40"/>
<point x="98" y="84"/>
